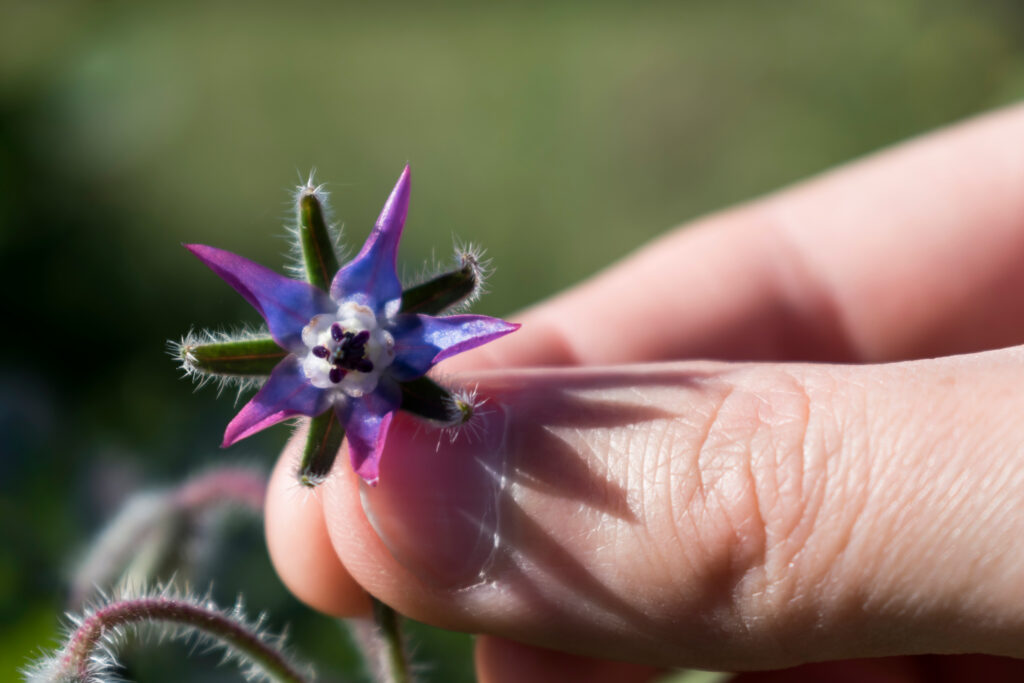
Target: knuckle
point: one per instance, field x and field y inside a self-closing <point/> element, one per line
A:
<point x="749" y="494"/>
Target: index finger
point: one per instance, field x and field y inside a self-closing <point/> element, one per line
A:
<point x="912" y="252"/>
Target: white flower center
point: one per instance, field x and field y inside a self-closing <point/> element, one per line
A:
<point x="347" y="350"/>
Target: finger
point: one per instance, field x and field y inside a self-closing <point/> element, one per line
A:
<point x="506" y="661"/>
<point x="300" y="548"/>
<point x="710" y="515"/>
<point x="913" y="252"/>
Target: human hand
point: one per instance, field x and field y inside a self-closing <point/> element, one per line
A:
<point x="734" y="516"/>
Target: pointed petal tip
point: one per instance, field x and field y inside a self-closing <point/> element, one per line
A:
<point x="500" y="327"/>
<point x="372" y="271"/>
<point x="286" y="394"/>
<point x="369" y="470"/>
<point x="200" y="251"/>
<point x="233" y="434"/>
<point x="366" y="431"/>
<point x="392" y="216"/>
<point x="401" y="191"/>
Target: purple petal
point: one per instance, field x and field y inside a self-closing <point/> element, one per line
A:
<point x="422" y="341"/>
<point x="286" y="394"/>
<point x="287" y="305"/>
<point x="367" y="421"/>
<point x="372" y="272"/>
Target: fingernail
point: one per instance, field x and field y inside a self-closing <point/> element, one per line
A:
<point x="436" y="504"/>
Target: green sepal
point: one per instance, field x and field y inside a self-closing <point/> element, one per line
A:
<point x="246" y="357"/>
<point x="318" y="255"/>
<point x="323" y="441"/>
<point x="442" y="292"/>
<point x="426" y="398"/>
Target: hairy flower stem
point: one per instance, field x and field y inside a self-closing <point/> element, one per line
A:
<point x="78" y="659"/>
<point x="396" y="660"/>
<point x="239" y="485"/>
<point x="147" y="540"/>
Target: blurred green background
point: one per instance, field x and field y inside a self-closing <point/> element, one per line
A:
<point x="559" y="135"/>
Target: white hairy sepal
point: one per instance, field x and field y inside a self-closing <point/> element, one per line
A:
<point x="474" y="256"/>
<point x="468" y="409"/>
<point x="295" y="264"/>
<point x="181" y="351"/>
<point x="465" y="255"/>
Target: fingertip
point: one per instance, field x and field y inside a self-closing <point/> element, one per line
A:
<point x="300" y="548"/>
<point x="507" y="661"/>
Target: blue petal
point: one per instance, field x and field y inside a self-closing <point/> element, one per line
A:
<point x="367" y="420"/>
<point x="286" y="394"/>
<point x="287" y="305"/>
<point x="422" y="341"/>
<point x="370" y="278"/>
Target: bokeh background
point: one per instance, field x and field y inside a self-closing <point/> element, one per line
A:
<point x="560" y="135"/>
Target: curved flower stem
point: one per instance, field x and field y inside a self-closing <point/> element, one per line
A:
<point x="142" y="544"/>
<point x="227" y="484"/>
<point x="396" y="660"/>
<point x="90" y="642"/>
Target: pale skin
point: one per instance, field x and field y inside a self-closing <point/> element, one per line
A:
<point x="844" y="480"/>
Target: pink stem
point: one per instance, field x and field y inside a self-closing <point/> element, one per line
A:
<point x="232" y="633"/>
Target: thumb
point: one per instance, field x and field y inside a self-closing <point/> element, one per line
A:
<point x="723" y="516"/>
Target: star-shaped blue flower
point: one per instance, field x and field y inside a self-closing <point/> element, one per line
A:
<point x="348" y="350"/>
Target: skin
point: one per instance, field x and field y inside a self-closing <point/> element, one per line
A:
<point x="840" y="479"/>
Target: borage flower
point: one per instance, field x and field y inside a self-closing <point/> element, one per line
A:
<point x="349" y="346"/>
